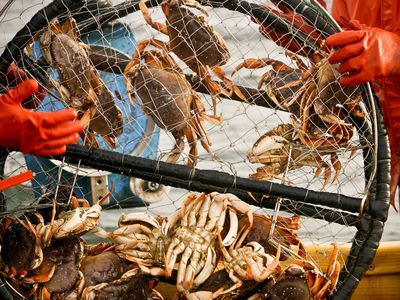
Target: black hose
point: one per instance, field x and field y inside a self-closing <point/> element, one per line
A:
<point x="97" y="158"/>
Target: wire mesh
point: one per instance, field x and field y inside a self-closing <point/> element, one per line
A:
<point x="235" y="90"/>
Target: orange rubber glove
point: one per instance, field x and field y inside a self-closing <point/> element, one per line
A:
<point x="39" y="133"/>
<point x="368" y="54"/>
<point x="13" y="77"/>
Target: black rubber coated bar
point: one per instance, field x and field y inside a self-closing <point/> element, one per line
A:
<point x="310" y="15"/>
<point x="92" y="157"/>
<point x="371" y="225"/>
<point x="263" y="201"/>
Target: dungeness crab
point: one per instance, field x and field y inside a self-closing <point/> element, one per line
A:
<point x="320" y="106"/>
<point x="80" y="85"/>
<point x="280" y="149"/>
<point x="168" y="98"/>
<point x="195" y="42"/>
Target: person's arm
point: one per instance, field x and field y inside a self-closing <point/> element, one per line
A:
<point x="339" y="12"/>
<point x="39" y="133"/>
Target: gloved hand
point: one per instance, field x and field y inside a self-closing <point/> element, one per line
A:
<point x="14" y="76"/>
<point x="368" y="54"/>
<point x="39" y="133"/>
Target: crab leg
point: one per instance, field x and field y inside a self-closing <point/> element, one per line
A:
<point x="195" y="4"/>
<point x="194" y="211"/>
<point x="175" y="248"/>
<point x="208" y="268"/>
<point x="146" y="14"/>
<point x="214" y="88"/>
<point x="187" y="206"/>
<point x="337" y="165"/>
<point x="181" y="283"/>
<point x="217" y="208"/>
<point x="192" y="268"/>
<point x="233" y="229"/>
<point x="178" y="147"/>
<point x="40" y="278"/>
<point x="193" y="153"/>
<point x="199" y="129"/>
<point x="258" y="63"/>
<point x="135" y="217"/>
<point x="271" y="265"/>
<point x="204" y="211"/>
<point x="243" y="208"/>
<point x="222" y="75"/>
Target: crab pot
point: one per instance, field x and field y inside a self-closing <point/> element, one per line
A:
<point x="218" y="143"/>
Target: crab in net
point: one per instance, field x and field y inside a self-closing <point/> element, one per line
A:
<point x="320" y="107"/>
<point x="80" y="85"/>
<point x="186" y="240"/>
<point x="303" y="279"/>
<point x="281" y="150"/>
<point x="108" y="276"/>
<point x="169" y="99"/>
<point x="254" y="272"/>
<point x="321" y="111"/>
<point x="31" y="249"/>
<point x="196" y="43"/>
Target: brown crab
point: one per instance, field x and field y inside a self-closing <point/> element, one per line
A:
<point x="168" y="98"/>
<point x="132" y="285"/>
<point x="321" y="107"/>
<point x="140" y="238"/>
<point x="80" y="85"/>
<point x="303" y="280"/>
<point x="195" y="42"/>
<point x="101" y="265"/>
<point x="57" y="273"/>
<point x="64" y="257"/>
<point x="193" y="233"/>
<point x="249" y="262"/>
<point x="280" y="149"/>
<point x="23" y="240"/>
<point x="285" y="233"/>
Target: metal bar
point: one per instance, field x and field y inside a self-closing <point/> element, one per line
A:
<point x="311" y="15"/>
<point x="98" y="157"/>
<point x="255" y="199"/>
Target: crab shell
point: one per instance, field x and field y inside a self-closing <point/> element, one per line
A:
<point x="133" y="285"/>
<point x="65" y="256"/>
<point x="80" y="84"/>
<point x="330" y="93"/>
<point x="108" y="119"/>
<point x="191" y="39"/>
<point x="100" y="268"/>
<point x="77" y="75"/>
<point x="166" y="97"/>
<point x="20" y="246"/>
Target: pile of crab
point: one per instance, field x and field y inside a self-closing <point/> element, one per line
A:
<point x="44" y="256"/>
<point x="213" y="247"/>
<point x="323" y="113"/>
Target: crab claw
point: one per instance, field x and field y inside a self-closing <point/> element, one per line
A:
<point x="261" y="150"/>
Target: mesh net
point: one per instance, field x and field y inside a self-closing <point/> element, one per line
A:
<point x="281" y="117"/>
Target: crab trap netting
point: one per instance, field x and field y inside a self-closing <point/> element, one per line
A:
<point x="233" y="97"/>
